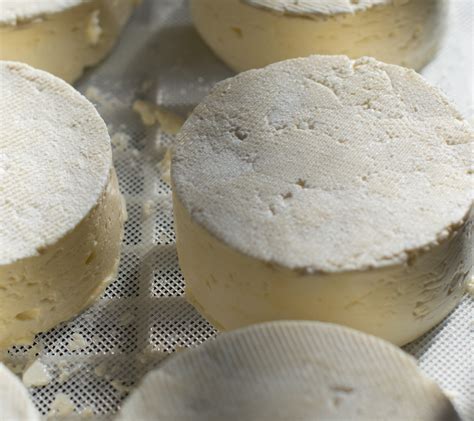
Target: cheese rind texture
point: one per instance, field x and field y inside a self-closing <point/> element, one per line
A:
<point x="61" y="208"/>
<point x="289" y="371"/>
<point x="254" y="33"/>
<point x="15" y="403"/>
<point x="327" y="189"/>
<point x="320" y="7"/>
<point x="62" y="37"/>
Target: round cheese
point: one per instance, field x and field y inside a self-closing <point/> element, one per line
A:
<point x="325" y="189"/>
<point x="61" y="211"/>
<point x="253" y="33"/>
<point x="62" y="37"/>
<point x="289" y="371"/>
<point x="15" y="403"/>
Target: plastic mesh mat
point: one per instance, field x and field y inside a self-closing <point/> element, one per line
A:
<point x="96" y="358"/>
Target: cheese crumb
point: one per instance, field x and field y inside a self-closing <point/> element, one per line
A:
<point x="87" y="412"/>
<point x="94" y="30"/>
<point x="147" y="209"/>
<point x="77" y="342"/>
<point x="470" y="287"/>
<point x="61" y="406"/>
<point x="164" y="167"/>
<point x="170" y="122"/>
<point x="146" y="112"/>
<point x="151" y="114"/>
<point x="36" y="375"/>
<point x="120" y="141"/>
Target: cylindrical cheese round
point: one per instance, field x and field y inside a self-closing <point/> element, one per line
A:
<point x="254" y="33"/>
<point x="325" y="189"/>
<point x="62" y="37"/>
<point x="61" y="212"/>
<point x="301" y="371"/>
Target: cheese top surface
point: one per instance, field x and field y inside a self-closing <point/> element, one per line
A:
<point x="55" y="160"/>
<point x="289" y="370"/>
<point x="319" y="7"/>
<point x="326" y="164"/>
<point x="14" y="11"/>
<point x="15" y="403"/>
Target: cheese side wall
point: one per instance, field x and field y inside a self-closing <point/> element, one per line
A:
<point x="143" y="315"/>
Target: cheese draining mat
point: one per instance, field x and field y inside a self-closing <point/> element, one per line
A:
<point x="97" y="358"/>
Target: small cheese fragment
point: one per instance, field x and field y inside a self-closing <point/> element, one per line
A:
<point x="61" y="211"/>
<point x="36" y="375"/>
<point x="289" y="371"/>
<point x="62" y="37"/>
<point x="253" y="33"/>
<point x="150" y="114"/>
<point x="325" y="189"/>
<point x="15" y="403"/>
<point x="62" y="406"/>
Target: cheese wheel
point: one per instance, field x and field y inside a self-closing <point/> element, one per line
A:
<point x="325" y="189"/>
<point x="61" y="212"/>
<point x="62" y="37"/>
<point x="289" y="371"/>
<point x="253" y="33"/>
<point x="15" y="403"/>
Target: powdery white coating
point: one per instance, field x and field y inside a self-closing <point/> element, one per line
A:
<point x="13" y="11"/>
<point x="289" y="371"/>
<point x="55" y="160"/>
<point x="326" y="164"/>
<point x="15" y="403"/>
<point x="319" y="7"/>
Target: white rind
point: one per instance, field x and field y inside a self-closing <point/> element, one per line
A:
<point x="14" y="11"/>
<point x="15" y="403"/>
<point x="319" y="164"/>
<point x="289" y="371"/>
<point x="55" y="160"/>
<point x="319" y="7"/>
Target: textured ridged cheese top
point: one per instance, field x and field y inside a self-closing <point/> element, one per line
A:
<point x="55" y="160"/>
<point x="13" y="11"/>
<point x="289" y="371"/>
<point x="326" y="164"/>
<point x="319" y="7"/>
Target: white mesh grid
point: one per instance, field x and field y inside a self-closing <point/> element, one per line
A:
<point x="142" y="317"/>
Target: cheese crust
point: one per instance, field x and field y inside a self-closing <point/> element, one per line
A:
<point x="327" y="189"/>
<point x="289" y="371"/>
<point x="248" y="34"/>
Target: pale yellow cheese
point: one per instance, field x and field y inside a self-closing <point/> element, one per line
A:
<point x="325" y="189"/>
<point x="61" y="211"/>
<point x="62" y="37"/>
<point x="253" y="33"/>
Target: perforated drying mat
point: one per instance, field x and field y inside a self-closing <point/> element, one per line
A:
<point x="143" y="317"/>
